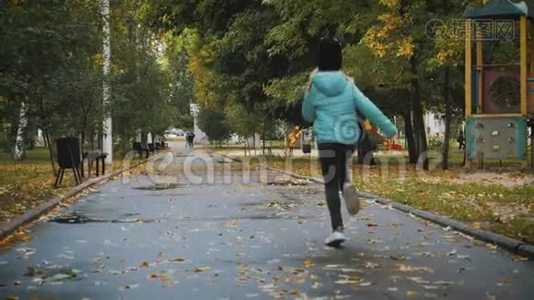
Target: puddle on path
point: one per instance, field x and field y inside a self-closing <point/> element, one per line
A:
<point x="161" y="187"/>
<point x="78" y="218"/>
<point x="288" y="183"/>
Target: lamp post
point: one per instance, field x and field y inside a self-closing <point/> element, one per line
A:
<point x="107" y="126"/>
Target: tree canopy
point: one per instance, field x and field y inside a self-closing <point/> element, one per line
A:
<point x="258" y="54"/>
<point x="51" y="72"/>
<point x="247" y="58"/>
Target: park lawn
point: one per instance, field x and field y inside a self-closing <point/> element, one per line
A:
<point x="176" y="139"/>
<point x="508" y="210"/>
<point x="28" y="184"/>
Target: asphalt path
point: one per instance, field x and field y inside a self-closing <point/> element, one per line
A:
<point x="212" y="231"/>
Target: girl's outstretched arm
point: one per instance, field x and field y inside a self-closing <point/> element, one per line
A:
<point x="373" y="113"/>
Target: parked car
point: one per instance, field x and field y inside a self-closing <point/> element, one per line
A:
<point x="174" y="133"/>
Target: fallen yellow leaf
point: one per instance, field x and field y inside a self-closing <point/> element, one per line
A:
<point x="309" y="263"/>
<point x="201" y="269"/>
<point x="406" y="268"/>
<point x="411" y="293"/>
<point x="160" y="276"/>
<point x="145" y="264"/>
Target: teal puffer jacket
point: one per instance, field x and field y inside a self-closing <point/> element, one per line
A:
<point x="331" y="103"/>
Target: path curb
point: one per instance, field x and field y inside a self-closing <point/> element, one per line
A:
<point x="33" y="214"/>
<point x="509" y="244"/>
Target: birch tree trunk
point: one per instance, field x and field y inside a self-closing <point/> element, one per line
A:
<point x="19" y="151"/>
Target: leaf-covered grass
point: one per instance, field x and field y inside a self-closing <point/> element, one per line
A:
<point x="505" y="209"/>
<point x="24" y="185"/>
<point x="28" y="184"/>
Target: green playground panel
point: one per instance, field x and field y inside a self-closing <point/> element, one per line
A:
<point x="496" y="137"/>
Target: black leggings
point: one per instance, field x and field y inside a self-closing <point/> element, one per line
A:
<point x="333" y="159"/>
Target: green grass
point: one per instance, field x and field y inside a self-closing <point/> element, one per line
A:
<point x="176" y="139"/>
<point x="35" y="155"/>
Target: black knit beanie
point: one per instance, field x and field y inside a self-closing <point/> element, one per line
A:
<point x="330" y="56"/>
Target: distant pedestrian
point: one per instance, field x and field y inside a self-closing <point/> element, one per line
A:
<point x="461" y="140"/>
<point x="189" y="139"/>
<point x="331" y="102"/>
<point x="192" y="140"/>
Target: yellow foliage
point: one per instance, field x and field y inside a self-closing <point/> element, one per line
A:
<point x="444" y="56"/>
<point x="205" y="78"/>
<point x="449" y="46"/>
<point x="374" y="42"/>
<point x="406" y="48"/>
<point x="390" y="3"/>
<point x="18" y="2"/>
<point x="382" y="39"/>
<point x="390" y="22"/>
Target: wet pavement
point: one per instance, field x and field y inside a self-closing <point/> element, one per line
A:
<point x="234" y="236"/>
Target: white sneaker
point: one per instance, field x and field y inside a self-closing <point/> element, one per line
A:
<point x="335" y="239"/>
<point x="352" y="200"/>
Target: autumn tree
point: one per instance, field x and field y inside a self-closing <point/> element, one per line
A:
<point x="51" y="72"/>
<point x="258" y="55"/>
<point x="47" y="46"/>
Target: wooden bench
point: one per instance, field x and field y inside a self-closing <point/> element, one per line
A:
<point x="152" y="148"/>
<point x="94" y="156"/>
<point x="161" y="146"/>
<point x="138" y="147"/>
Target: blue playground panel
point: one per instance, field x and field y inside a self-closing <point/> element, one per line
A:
<point x="496" y="137"/>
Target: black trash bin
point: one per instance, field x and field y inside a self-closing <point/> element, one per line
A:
<point x="306" y="148"/>
<point x="307" y="141"/>
<point x="69" y="156"/>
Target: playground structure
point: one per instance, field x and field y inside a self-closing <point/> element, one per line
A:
<point x="292" y="140"/>
<point x="499" y="98"/>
